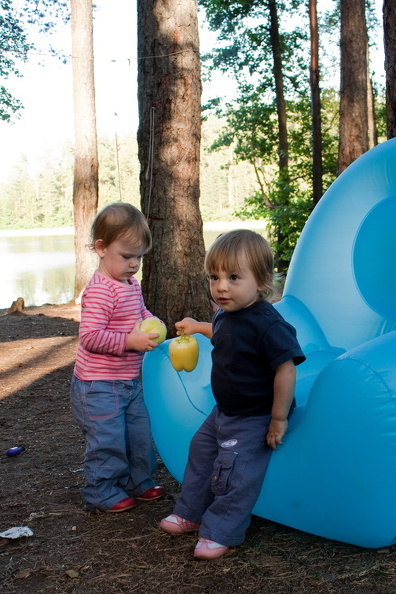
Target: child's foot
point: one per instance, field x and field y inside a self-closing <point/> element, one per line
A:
<point x="153" y="493"/>
<point x="177" y="525"/>
<point x="123" y="505"/>
<point x="209" y="549"/>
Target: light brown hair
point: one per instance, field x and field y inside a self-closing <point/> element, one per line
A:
<point x="117" y="220"/>
<point x="228" y="247"/>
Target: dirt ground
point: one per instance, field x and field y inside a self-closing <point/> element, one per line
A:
<point x="74" y="551"/>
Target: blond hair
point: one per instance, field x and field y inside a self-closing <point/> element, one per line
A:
<point x="120" y="220"/>
<point x="225" y="252"/>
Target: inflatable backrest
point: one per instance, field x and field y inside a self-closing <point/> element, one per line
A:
<point x="343" y="269"/>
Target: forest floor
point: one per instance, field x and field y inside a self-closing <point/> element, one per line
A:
<point x="74" y="551"/>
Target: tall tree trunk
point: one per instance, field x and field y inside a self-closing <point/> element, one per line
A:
<point x="169" y="93"/>
<point x="85" y="190"/>
<point x="317" y="169"/>
<point x="353" y="140"/>
<point x="283" y="149"/>
<point x="372" y="121"/>
<point x="280" y="95"/>
<point x="389" y="16"/>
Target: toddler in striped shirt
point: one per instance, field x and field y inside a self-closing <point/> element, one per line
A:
<point x="106" y="393"/>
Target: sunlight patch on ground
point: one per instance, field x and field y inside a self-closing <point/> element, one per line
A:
<point x="36" y="360"/>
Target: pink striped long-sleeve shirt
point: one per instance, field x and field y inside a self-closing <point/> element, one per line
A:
<point x="109" y="311"/>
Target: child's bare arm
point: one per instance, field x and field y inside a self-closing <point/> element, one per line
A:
<point x="284" y="384"/>
<point x="191" y="326"/>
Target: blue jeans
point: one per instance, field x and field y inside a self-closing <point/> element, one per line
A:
<point x="227" y="462"/>
<point x="119" y="455"/>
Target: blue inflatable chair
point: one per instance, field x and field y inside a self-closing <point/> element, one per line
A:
<point x="335" y="475"/>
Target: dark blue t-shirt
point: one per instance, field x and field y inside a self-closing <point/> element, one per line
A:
<point x="248" y="345"/>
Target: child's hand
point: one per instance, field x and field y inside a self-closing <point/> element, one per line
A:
<point x="190" y="326"/>
<point x="187" y="325"/>
<point x="138" y="340"/>
<point x="276" y="431"/>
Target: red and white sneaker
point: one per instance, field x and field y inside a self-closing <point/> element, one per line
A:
<point x="209" y="549"/>
<point x="177" y="525"/>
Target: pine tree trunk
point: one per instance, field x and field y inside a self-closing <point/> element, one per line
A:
<point x="389" y="14"/>
<point x="372" y="122"/>
<point x="317" y="169"/>
<point x="353" y="140"/>
<point x="280" y="96"/>
<point x="283" y="149"/>
<point x="169" y="92"/>
<point x="85" y="189"/>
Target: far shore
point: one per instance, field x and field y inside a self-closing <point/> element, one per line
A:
<point x="27" y="232"/>
<point x="208" y="226"/>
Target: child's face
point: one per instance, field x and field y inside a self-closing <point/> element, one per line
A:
<point x="120" y="260"/>
<point x="235" y="289"/>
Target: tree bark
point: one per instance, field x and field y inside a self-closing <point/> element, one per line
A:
<point x="372" y="121"/>
<point x="86" y="167"/>
<point x="283" y="149"/>
<point x="389" y="20"/>
<point x="353" y="140"/>
<point x="317" y="168"/>
<point x="280" y="95"/>
<point x="169" y="91"/>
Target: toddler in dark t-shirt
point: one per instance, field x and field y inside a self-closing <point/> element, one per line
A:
<point x="254" y="355"/>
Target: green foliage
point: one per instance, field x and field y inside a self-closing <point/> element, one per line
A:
<point x="18" y="22"/>
<point x="13" y="39"/>
<point x="252" y="130"/>
<point x="225" y="181"/>
<point x="43" y="198"/>
<point x="244" y="51"/>
<point x="118" y="171"/>
<point x="286" y="220"/>
<point x="380" y="110"/>
<point x="13" y="47"/>
<point x="9" y="105"/>
<point x="252" y="125"/>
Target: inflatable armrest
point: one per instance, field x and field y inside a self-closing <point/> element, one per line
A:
<point x="335" y="475"/>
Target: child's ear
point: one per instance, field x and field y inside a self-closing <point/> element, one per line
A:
<point x="99" y="247"/>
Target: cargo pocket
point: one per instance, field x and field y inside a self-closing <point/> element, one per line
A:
<point x="222" y="470"/>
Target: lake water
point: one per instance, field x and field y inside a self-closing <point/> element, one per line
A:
<point x="39" y="265"/>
